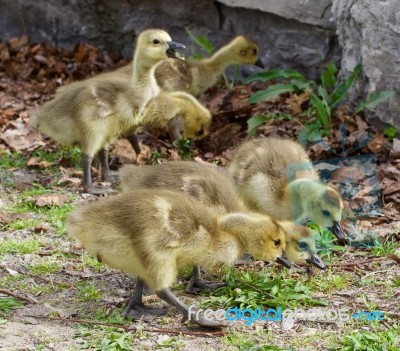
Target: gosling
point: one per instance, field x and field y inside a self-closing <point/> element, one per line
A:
<point x="93" y="115"/>
<point x="152" y="46"/>
<point x="195" y="77"/>
<point x="153" y="233"/>
<point x="211" y="186"/>
<point x="276" y="177"/>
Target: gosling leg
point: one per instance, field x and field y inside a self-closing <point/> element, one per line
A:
<point x="105" y="168"/>
<point x="197" y="283"/>
<point x="136" y="309"/>
<point x="87" y="172"/>
<point x="134" y="142"/>
<point x="169" y="297"/>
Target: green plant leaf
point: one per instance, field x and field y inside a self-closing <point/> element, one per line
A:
<point x="201" y="41"/>
<point x="374" y="100"/>
<point x="341" y="91"/>
<point x="321" y="110"/>
<point x="329" y="76"/>
<point x="390" y="132"/>
<point x="274" y="74"/>
<point x="254" y="122"/>
<point x="272" y="91"/>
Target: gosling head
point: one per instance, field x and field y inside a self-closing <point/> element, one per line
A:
<point x="155" y="45"/>
<point x="320" y="203"/>
<point x="261" y="236"/>
<point x="300" y="245"/>
<point x="270" y="243"/>
<point x="245" y="51"/>
<point x="194" y="117"/>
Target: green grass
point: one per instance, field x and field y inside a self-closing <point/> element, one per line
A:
<point x="111" y="339"/>
<point x="70" y="155"/>
<point x="331" y="281"/>
<point x="87" y="292"/>
<point x="90" y="263"/>
<point x="53" y="215"/>
<point x="115" y="317"/>
<point x="362" y="340"/>
<point x="21" y="247"/>
<point x="12" y="159"/>
<point x="387" y="247"/>
<point x="249" y="289"/>
<point x="44" y="267"/>
<point x="7" y="305"/>
<point x="262" y="341"/>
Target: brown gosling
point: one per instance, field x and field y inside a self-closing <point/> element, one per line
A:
<point x="276" y="177"/>
<point x="92" y="115"/>
<point x="153" y="233"/>
<point x="196" y="76"/>
<point x="212" y="186"/>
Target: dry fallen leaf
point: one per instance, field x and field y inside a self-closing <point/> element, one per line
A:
<point x="122" y="149"/>
<point x="37" y="162"/>
<point x="6" y="218"/>
<point x="49" y="200"/>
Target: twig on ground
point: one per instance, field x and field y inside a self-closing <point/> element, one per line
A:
<point x="391" y="314"/>
<point x="376" y="272"/>
<point x="368" y="260"/>
<point x="50" y="281"/>
<point x="19" y="296"/>
<point x="133" y="329"/>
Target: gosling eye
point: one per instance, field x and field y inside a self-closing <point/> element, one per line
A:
<point x="303" y="245"/>
<point x="200" y="132"/>
<point x="243" y="52"/>
<point x="254" y="52"/>
<point x="326" y="213"/>
<point x="277" y="242"/>
<point x="156" y="41"/>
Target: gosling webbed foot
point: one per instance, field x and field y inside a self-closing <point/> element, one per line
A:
<point x="197" y="285"/>
<point x="137" y="310"/>
<point x="210" y="323"/>
<point x="140" y="311"/>
<point x="99" y="190"/>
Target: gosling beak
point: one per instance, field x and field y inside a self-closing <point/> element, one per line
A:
<point x="338" y="232"/>
<point x="259" y="63"/>
<point x="316" y="261"/>
<point x="172" y="45"/>
<point x="284" y="261"/>
<point x="175" y="45"/>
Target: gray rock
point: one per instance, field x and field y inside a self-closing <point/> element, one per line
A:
<point x="369" y="32"/>
<point x="314" y="12"/>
